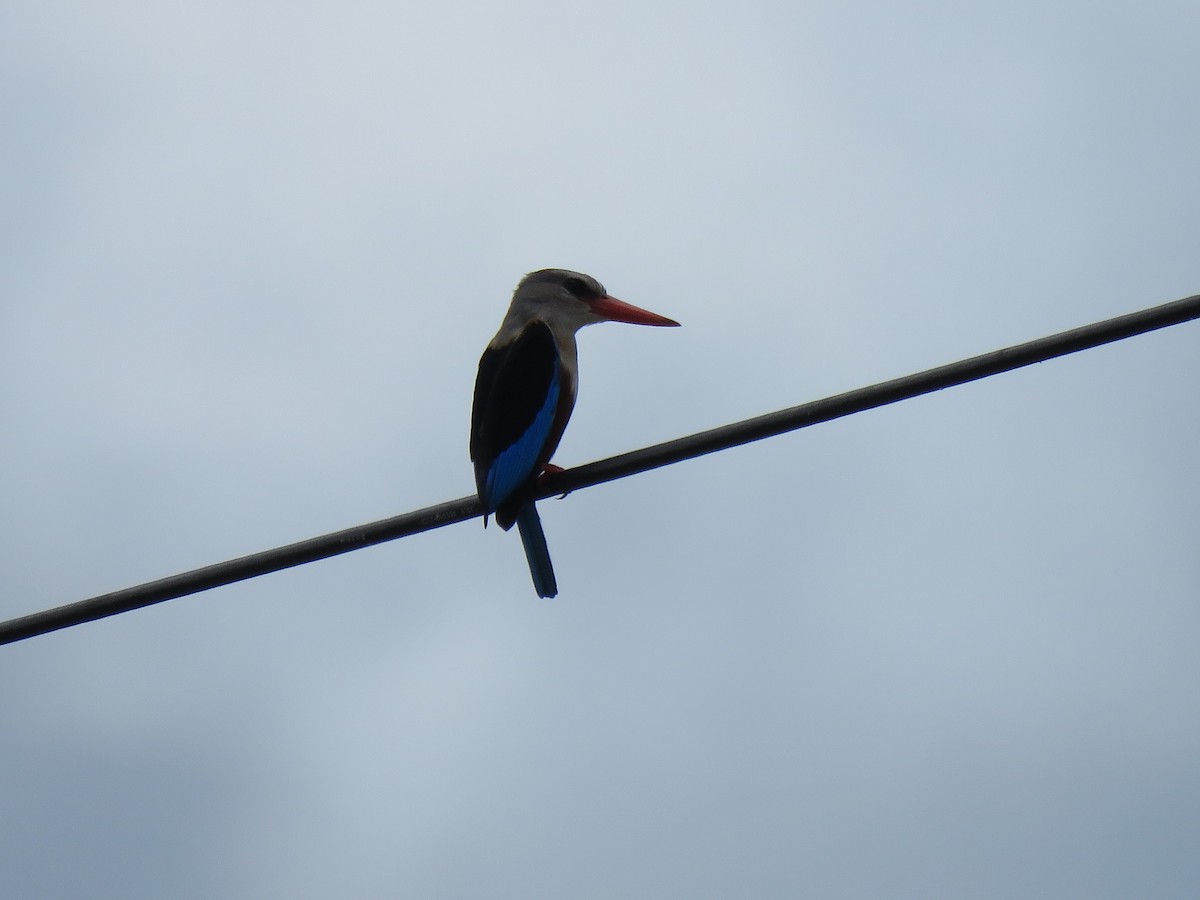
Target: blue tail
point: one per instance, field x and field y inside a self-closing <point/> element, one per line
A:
<point x="536" y="550"/>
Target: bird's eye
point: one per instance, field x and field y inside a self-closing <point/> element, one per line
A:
<point x="577" y="287"/>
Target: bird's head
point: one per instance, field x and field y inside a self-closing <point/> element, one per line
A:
<point x="572" y="300"/>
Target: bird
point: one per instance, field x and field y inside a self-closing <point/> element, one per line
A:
<point x="525" y="392"/>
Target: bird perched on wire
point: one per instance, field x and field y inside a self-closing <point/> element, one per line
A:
<point x="524" y="395"/>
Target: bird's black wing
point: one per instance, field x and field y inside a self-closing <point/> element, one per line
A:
<point x="516" y="400"/>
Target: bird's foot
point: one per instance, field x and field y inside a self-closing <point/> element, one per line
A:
<point x="551" y="469"/>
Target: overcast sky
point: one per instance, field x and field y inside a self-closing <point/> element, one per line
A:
<point x="250" y="253"/>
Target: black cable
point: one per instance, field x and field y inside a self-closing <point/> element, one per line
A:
<point x="771" y="424"/>
<point x="609" y="469"/>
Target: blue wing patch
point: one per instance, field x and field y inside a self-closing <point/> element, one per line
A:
<point x="513" y="465"/>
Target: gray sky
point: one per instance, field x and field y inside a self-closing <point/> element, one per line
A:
<point x="250" y="255"/>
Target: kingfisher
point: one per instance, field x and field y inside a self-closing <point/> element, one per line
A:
<point x="524" y="394"/>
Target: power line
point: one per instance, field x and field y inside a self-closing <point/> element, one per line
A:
<point x="610" y="469"/>
<point x="862" y="399"/>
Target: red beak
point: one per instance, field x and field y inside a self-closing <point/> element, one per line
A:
<point x="619" y="311"/>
